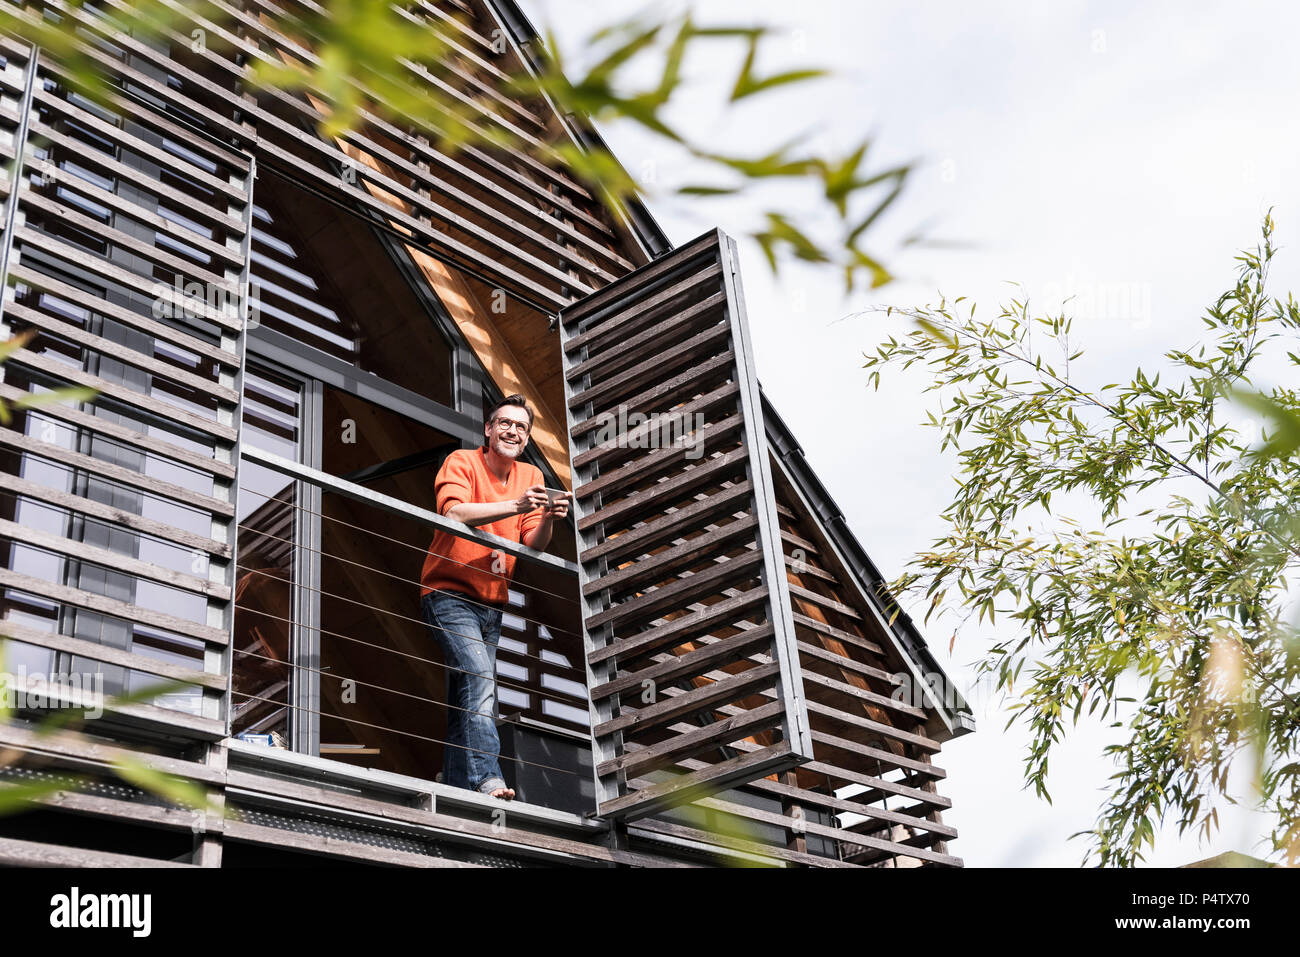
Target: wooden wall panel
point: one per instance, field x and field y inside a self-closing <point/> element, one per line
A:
<point x="870" y="792"/>
<point x="512" y="216"/>
<point x="118" y="512"/>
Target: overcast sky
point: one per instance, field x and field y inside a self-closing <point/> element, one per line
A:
<point x="1118" y="155"/>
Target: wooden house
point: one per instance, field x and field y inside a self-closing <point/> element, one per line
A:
<point x="287" y="334"/>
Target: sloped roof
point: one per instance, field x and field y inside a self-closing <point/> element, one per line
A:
<point x="954" y="712"/>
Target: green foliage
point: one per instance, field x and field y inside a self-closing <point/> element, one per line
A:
<point x="728" y="831"/>
<point x="1181" y="578"/>
<point x="605" y="94"/>
<point x="363" y="59"/>
<point x="182" y="792"/>
<point x="36" y="399"/>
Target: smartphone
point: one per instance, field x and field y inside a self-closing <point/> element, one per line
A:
<point x="555" y="494"/>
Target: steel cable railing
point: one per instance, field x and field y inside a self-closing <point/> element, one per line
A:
<point x="545" y="688"/>
<point x="395" y="651"/>
<point x="568" y="698"/>
<point x="385" y="611"/>
<point x="422" y="549"/>
<point x="412" y="734"/>
<point x="369" y="684"/>
<point x="411" y="581"/>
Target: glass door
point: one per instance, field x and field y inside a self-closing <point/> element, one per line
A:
<point x="276" y="666"/>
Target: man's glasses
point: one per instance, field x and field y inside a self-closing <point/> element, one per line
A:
<point x="506" y="425"/>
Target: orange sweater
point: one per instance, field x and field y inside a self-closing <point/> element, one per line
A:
<point x="457" y="564"/>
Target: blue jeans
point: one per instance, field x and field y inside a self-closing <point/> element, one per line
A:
<point x="468" y="633"/>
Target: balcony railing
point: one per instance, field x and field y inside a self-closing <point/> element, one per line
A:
<point x="331" y="653"/>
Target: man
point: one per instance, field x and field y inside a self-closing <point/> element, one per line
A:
<point x="464" y="585"/>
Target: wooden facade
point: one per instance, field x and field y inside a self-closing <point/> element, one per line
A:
<point x="701" y="672"/>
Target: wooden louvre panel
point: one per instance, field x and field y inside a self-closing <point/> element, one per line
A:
<point x="514" y="215"/>
<point x="125" y="257"/>
<point x="691" y="655"/>
<point x="869" y="796"/>
<point x="504" y="236"/>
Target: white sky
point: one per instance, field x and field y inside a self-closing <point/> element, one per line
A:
<point x="1119" y="154"/>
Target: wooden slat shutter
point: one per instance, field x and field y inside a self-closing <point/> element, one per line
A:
<point x="127" y="253"/>
<point x="687" y="621"/>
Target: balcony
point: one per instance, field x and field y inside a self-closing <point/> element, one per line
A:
<point x="332" y="657"/>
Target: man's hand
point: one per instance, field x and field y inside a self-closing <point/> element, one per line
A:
<point x="482" y="513"/>
<point x="541" y="535"/>
<point x="535" y="497"/>
<point x="559" y="508"/>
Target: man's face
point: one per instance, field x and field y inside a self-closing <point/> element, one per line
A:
<point x="507" y="433"/>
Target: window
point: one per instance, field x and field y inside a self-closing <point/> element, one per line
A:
<point x="326" y="280"/>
